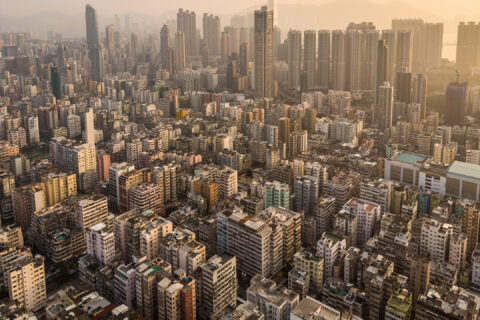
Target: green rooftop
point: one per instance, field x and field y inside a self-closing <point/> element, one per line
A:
<point x="465" y="170"/>
<point x="410" y="158"/>
<point x="333" y="237"/>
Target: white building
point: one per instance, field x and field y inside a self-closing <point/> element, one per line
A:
<point x="367" y="213"/>
<point x="330" y="247"/>
<point x="435" y="239"/>
<point x="101" y="243"/>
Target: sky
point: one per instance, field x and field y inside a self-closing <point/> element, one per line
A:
<point x="445" y="8"/>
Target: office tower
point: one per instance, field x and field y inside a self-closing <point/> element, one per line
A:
<point x="277" y="194"/>
<point x="94" y="47"/>
<point x="323" y="74"/>
<point x="89" y="127"/>
<point x="382" y="65"/>
<point x="180" y="52"/>
<point x="211" y="34"/>
<point x="177" y="299"/>
<point x="468" y="45"/>
<point x="403" y="87"/>
<point x="90" y="211"/>
<point x="330" y="247"/>
<point x="384" y="113"/>
<point x="339" y="60"/>
<point x="226" y="179"/>
<point x="433" y="45"/>
<point x="26" y="282"/>
<point x="270" y="298"/>
<point x="217" y="286"/>
<point x="390" y="41"/>
<point x="455" y="103"/>
<point x="306" y="194"/>
<point x="56" y="82"/>
<point x="243" y="59"/>
<point x="33" y="134"/>
<point x="100" y="243"/>
<point x="419" y="94"/>
<point x="370" y="60"/>
<point x="309" y="57"/>
<point x="186" y="23"/>
<point x="110" y="42"/>
<point x="263" y="34"/>
<point x="354" y="52"/>
<point x="403" y="55"/>
<point x="294" y="39"/>
<point x="164" y="45"/>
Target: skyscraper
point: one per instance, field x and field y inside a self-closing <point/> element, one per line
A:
<point x="434" y="44"/>
<point x="354" y="46"/>
<point x="263" y="53"/>
<point x="323" y="74"/>
<point x="56" y="82"/>
<point x="455" y="103"/>
<point x="110" y="41"/>
<point x="370" y="60"/>
<point x="294" y="58"/>
<point x="309" y="57"/>
<point x="243" y="59"/>
<point x="164" y="45"/>
<point x="468" y="45"/>
<point x="338" y="60"/>
<point x="389" y="37"/>
<point x="187" y="23"/>
<point x="404" y="51"/>
<point x="211" y="34"/>
<point x="93" y="43"/>
<point x="404" y="86"/>
<point x="382" y="65"/>
<point x="180" y="51"/>
<point x="383" y="115"/>
<point x="89" y="127"/>
<point x="420" y="94"/>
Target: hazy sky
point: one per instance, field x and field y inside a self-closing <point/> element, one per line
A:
<point x="449" y="9"/>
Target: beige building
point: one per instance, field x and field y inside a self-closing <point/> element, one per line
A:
<point x="58" y="187"/>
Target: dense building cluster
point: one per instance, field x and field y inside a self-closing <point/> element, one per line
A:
<point x="209" y="173"/>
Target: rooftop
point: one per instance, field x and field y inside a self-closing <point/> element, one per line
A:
<point x="464" y="169"/>
<point x="410" y="158"/>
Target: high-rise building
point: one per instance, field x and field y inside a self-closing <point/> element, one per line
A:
<point x="180" y="53"/>
<point x="26" y="282"/>
<point x="56" y="82"/>
<point x="211" y="34"/>
<point x="403" y="87"/>
<point x="323" y="75"/>
<point x="306" y="194"/>
<point x="370" y="60"/>
<point x="187" y="23"/>
<point x="100" y="243"/>
<point x="74" y="126"/>
<point x="384" y="108"/>
<point x="277" y="194"/>
<point x="294" y="40"/>
<point x="89" y="127"/>
<point x="310" y="57"/>
<point x="33" y="134"/>
<point x="468" y="45"/>
<point x="94" y="47"/>
<point x="226" y="179"/>
<point x="331" y="248"/>
<point x="403" y="54"/>
<point x="263" y="53"/>
<point x="456" y="104"/>
<point x="419" y="94"/>
<point x="434" y="44"/>
<point x="389" y="37"/>
<point x="164" y="45"/>
<point x="177" y="299"/>
<point x="89" y="212"/>
<point x="367" y="214"/>
<point x="339" y="60"/>
<point x="243" y="59"/>
<point x="382" y="65"/>
<point x="146" y="196"/>
<point x="354" y="52"/>
<point x="217" y="286"/>
<point x="58" y="187"/>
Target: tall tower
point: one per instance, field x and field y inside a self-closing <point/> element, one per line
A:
<point x="434" y="44"/>
<point x="468" y="45"/>
<point x="420" y="94"/>
<point x="382" y="65"/>
<point x="385" y="106"/>
<point x="294" y="58"/>
<point x="354" y="46"/>
<point x="389" y="37"/>
<point x="338" y="60"/>
<point x="89" y="127"/>
<point x="404" y="51"/>
<point x="181" y="51"/>
<point x="323" y="59"/>
<point x="273" y="6"/>
<point x="309" y="56"/>
<point x="370" y="60"/>
<point x="164" y="44"/>
<point x="243" y="58"/>
<point x="263" y="34"/>
<point x="110" y="41"/>
<point x="187" y="23"/>
<point x="455" y="103"/>
<point x="211" y="33"/>
<point x="93" y="43"/>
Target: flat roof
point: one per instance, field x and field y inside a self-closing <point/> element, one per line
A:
<point x="464" y="169"/>
<point x="411" y="158"/>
